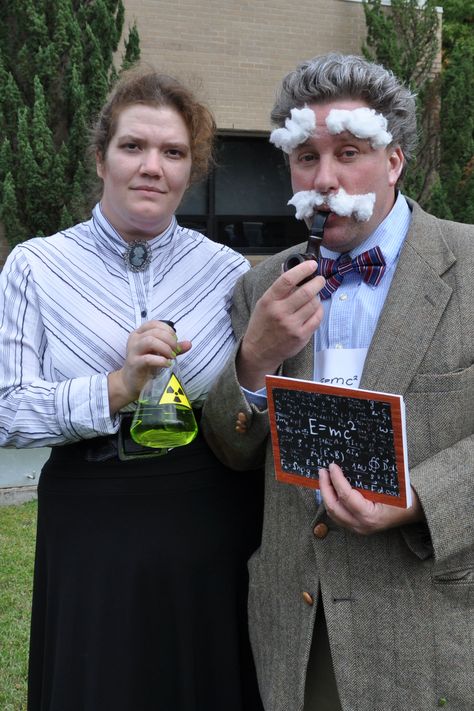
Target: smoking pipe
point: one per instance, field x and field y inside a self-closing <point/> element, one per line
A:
<point x="316" y="234"/>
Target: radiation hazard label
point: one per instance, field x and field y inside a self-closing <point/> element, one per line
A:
<point x="174" y="393"/>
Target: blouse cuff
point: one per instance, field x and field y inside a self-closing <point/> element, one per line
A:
<point x="83" y="407"/>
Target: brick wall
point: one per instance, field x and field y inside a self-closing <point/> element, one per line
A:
<point x="237" y="51"/>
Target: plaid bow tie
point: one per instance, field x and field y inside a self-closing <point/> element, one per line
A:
<point x="370" y="264"/>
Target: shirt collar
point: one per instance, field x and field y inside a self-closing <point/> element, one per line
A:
<point x="389" y="235"/>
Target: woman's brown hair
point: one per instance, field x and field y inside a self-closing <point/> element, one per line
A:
<point x="144" y="85"/>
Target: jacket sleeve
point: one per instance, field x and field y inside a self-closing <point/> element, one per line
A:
<point x="445" y="486"/>
<point x="238" y="450"/>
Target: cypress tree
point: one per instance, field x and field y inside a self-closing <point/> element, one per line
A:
<point x="404" y="38"/>
<point x="6" y="159"/>
<point x="457" y="110"/>
<point x="56" y="68"/>
<point x="14" y="229"/>
<point x="132" y="48"/>
<point x="444" y="184"/>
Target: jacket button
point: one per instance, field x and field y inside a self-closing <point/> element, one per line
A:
<point x="241" y="423"/>
<point x="321" y="530"/>
<point x="307" y="598"/>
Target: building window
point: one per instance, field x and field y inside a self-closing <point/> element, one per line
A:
<point x="244" y="202"/>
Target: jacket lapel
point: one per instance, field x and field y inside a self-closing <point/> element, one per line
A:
<point x="415" y="303"/>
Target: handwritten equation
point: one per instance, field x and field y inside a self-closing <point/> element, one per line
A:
<point x="315" y="429"/>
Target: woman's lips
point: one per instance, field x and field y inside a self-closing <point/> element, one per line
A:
<point x="148" y="189"/>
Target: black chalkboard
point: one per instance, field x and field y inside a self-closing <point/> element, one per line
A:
<point x="313" y="425"/>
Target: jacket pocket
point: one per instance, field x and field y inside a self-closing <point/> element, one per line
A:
<point x="439" y="411"/>
<point x="455" y="585"/>
<point x="462" y="576"/>
<point x="455" y="381"/>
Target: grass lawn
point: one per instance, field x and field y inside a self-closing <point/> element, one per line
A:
<point x="17" y="545"/>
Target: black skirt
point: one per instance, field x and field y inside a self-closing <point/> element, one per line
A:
<point x="140" y="588"/>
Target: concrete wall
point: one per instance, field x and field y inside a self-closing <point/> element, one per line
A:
<point x="19" y="473"/>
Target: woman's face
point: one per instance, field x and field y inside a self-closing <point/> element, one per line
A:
<point x="145" y="170"/>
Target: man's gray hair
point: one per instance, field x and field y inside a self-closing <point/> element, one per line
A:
<point x="344" y="76"/>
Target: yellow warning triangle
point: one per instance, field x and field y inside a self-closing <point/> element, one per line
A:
<point x="174" y="393"/>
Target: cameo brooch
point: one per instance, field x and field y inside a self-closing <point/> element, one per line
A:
<point x="137" y="256"/>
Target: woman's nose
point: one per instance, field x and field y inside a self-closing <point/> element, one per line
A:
<point x="151" y="163"/>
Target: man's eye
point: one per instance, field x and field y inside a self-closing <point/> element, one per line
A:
<point x="306" y="157"/>
<point x="349" y="153"/>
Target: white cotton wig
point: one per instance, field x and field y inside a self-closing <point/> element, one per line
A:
<point x="332" y="77"/>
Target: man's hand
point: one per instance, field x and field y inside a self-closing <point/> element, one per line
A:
<point x="348" y="508"/>
<point x="283" y="321"/>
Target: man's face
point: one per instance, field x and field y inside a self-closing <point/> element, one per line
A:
<point x="327" y="162"/>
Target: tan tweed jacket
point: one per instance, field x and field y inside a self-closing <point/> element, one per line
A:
<point x="399" y="604"/>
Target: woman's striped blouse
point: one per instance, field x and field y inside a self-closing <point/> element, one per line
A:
<point x="68" y="304"/>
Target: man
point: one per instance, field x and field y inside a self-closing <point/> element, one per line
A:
<point x="355" y="605"/>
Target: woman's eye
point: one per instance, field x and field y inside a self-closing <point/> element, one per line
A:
<point x="175" y="153"/>
<point x="130" y="146"/>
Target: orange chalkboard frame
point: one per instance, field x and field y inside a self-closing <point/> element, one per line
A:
<point x="396" y="405"/>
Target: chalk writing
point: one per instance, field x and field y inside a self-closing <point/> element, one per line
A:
<point x="315" y="429"/>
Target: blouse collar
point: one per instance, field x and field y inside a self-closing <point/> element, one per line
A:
<point x="110" y="241"/>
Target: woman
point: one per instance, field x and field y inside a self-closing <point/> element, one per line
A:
<point x="140" y="583"/>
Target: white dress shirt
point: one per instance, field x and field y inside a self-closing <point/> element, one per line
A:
<point x="352" y="313"/>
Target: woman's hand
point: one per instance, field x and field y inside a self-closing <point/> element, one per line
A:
<point x="153" y="345"/>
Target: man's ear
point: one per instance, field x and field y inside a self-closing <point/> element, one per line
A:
<point x="396" y="162"/>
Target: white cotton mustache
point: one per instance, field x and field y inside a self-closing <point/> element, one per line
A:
<point x="341" y="203"/>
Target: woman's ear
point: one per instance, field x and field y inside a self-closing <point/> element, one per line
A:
<point x="99" y="164"/>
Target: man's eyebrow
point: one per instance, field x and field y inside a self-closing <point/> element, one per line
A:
<point x="342" y="137"/>
<point x="346" y="135"/>
<point x="304" y="144"/>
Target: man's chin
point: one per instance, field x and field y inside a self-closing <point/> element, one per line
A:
<point x="339" y="232"/>
<point x="336" y="227"/>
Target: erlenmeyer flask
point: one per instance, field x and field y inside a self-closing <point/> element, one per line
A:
<point x="164" y="417"/>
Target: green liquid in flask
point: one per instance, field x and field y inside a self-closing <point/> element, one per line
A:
<point x="165" y="425"/>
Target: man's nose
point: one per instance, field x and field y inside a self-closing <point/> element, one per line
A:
<point x="326" y="178"/>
